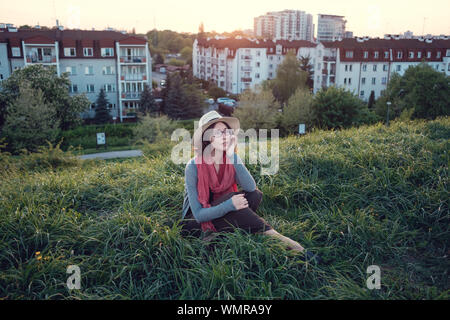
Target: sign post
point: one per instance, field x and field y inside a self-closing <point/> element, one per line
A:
<point x="301" y="128"/>
<point x="101" y="139"/>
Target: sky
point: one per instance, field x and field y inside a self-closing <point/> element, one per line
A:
<point x="364" y="18"/>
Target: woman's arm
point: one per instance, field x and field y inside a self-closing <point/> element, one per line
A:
<point x="202" y="214"/>
<point x="243" y="176"/>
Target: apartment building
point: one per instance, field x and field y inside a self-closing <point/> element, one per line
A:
<point x="330" y="27"/>
<point x="285" y="25"/>
<point x="363" y="65"/>
<point x="114" y="61"/>
<point x="236" y="64"/>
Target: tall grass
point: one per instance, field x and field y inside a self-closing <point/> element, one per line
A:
<point x="358" y="197"/>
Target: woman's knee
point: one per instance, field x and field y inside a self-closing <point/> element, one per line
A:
<point x="254" y="198"/>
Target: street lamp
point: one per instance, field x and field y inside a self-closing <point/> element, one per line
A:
<point x="387" y="116"/>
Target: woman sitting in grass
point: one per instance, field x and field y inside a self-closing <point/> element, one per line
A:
<point x="212" y="202"/>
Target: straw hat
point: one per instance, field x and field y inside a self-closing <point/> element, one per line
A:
<point x="208" y="119"/>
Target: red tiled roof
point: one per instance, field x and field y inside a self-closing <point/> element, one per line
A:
<point x="133" y="40"/>
<point x="233" y="43"/>
<point x="350" y="43"/>
<point x="39" y="40"/>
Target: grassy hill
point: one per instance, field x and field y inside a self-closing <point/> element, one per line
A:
<point x="360" y="197"/>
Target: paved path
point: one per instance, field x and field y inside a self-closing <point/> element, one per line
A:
<point x="112" y="154"/>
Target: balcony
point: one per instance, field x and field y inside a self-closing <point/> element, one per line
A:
<point x="133" y="59"/>
<point x="41" y="59"/>
<point x="246" y="79"/>
<point x="134" y="77"/>
<point x="325" y="71"/>
<point x="246" y="68"/>
<point x="329" y="58"/>
<point x="131" y="95"/>
<point x="246" y="57"/>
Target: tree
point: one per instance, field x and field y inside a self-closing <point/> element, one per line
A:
<point x="305" y="65"/>
<point x="216" y="92"/>
<point x="371" y="100"/>
<point x="421" y="87"/>
<point x="299" y="109"/>
<point x="182" y="99"/>
<point x="159" y="59"/>
<point x="55" y="91"/>
<point x="337" y="108"/>
<point x="147" y="103"/>
<point x="289" y="78"/>
<point x="101" y="109"/>
<point x="30" y="121"/>
<point x="257" y="109"/>
<point x="173" y="96"/>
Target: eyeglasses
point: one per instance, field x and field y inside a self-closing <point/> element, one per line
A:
<point x="219" y="133"/>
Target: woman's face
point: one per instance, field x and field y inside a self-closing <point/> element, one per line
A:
<point x="221" y="137"/>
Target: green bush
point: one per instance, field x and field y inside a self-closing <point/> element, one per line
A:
<point x="152" y="129"/>
<point x="86" y="136"/>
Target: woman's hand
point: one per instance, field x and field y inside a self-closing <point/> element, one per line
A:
<point x="239" y="201"/>
<point x="231" y="146"/>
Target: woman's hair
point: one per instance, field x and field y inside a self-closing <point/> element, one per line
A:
<point x="208" y="141"/>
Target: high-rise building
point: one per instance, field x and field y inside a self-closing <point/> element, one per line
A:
<point x="285" y="25"/>
<point x="330" y="27"/>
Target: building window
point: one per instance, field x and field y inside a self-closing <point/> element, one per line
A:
<point x="373" y="80"/>
<point x="399" y="54"/>
<point x="109" y="87"/>
<point x="71" y="70"/>
<point x="107" y="52"/>
<point x="437" y="67"/>
<point x="399" y="68"/>
<point x="364" y="67"/>
<point x="383" y="80"/>
<point x="222" y="83"/>
<point x="69" y="52"/>
<point x="270" y="66"/>
<point x="1" y="76"/>
<point x="346" y="67"/>
<point x="447" y="54"/>
<point x="270" y="74"/>
<point x="362" y="93"/>
<point x="386" y="54"/>
<point x="349" y="54"/>
<point x="108" y="70"/>
<point x="271" y="58"/>
<point x="88" y="52"/>
<point x="90" y="88"/>
<point x="411" y="54"/>
<point x="345" y="80"/>
<point x="318" y="66"/>
<point x="92" y="106"/>
<point x="438" y="54"/>
<point x="428" y="54"/>
<point x="419" y="54"/>
<point x="350" y="68"/>
<point x="349" y="80"/>
<point x="73" y="88"/>
<point x="257" y="76"/>
<point x="366" y="54"/>
<point x="15" y="51"/>
<point x="375" y="54"/>
<point x="89" y="71"/>
<point x="385" y="67"/>
<point x="258" y="64"/>
<point x="258" y="54"/>
<point x="363" y="80"/>
<point x="374" y="67"/>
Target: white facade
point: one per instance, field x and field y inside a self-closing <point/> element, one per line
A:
<point x="330" y="27"/>
<point x="235" y="69"/>
<point x="285" y="25"/>
<point x="365" y="65"/>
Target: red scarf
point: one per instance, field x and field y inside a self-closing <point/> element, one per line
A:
<point x="219" y="183"/>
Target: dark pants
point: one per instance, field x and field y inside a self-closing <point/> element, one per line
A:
<point x="245" y="219"/>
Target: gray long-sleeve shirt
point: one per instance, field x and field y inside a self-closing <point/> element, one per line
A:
<point x="243" y="178"/>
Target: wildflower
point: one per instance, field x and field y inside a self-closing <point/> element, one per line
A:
<point x="38" y="257"/>
<point x="37" y="253"/>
